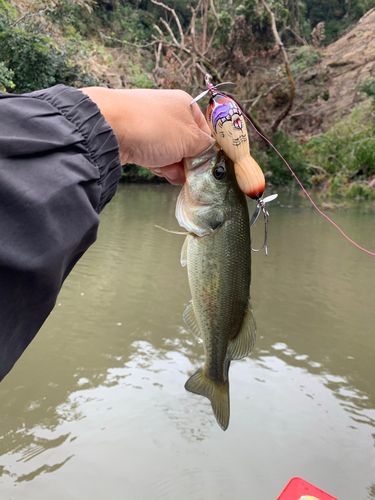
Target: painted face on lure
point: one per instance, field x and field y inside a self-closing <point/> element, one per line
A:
<point x="228" y="127"/>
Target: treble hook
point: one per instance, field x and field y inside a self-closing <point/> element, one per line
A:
<point x="262" y="207"/>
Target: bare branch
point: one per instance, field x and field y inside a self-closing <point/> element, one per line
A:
<point x="192" y="26"/>
<point x="214" y="12"/>
<point x="125" y="42"/>
<point x="201" y="69"/>
<point x="170" y="31"/>
<point x="286" y="62"/>
<point x="159" y="30"/>
<point x="29" y="14"/>
<point x="317" y="168"/>
<point x="157" y="56"/>
<point x="211" y="40"/>
<point x="263" y="94"/>
<point x="299" y="38"/>
<point x="175" y="17"/>
<point x="205" y="19"/>
<point x="170" y="44"/>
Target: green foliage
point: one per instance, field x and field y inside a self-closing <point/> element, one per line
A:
<point x="259" y="21"/>
<point x="347" y="148"/>
<point x="337" y="15"/>
<point x="34" y="59"/>
<point x="368" y="87"/>
<point x="342" y="185"/>
<point x="132" y="172"/>
<point x="275" y="169"/>
<point x="133" y="20"/>
<point x="305" y="58"/>
<point x="334" y="28"/>
<point x="139" y="77"/>
<point x="124" y="21"/>
<point x="6" y="76"/>
<point x="358" y="190"/>
<point x="222" y="34"/>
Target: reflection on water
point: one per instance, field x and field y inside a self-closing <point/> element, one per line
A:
<point x="96" y="407"/>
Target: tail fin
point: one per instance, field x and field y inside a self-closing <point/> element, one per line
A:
<point x="217" y="394"/>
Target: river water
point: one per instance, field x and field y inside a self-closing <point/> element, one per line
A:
<point x="96" y="407"/>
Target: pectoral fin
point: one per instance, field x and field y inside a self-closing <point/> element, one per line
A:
<point x="191" y="322"/>
<point x="169" y="231"/>
<point x="184" y="250"/>
<point x="242" y="345"/>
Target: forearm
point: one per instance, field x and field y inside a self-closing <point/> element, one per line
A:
<point x="58" y="168"/>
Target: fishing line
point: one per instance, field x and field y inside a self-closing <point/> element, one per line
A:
<point x="299" y="182"/>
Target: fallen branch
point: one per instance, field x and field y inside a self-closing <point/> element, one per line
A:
<point x="298" y="38"/>
<point x="263" y="94"/>
<point x="317" y="167"/>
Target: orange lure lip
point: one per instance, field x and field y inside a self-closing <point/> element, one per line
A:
<point x="250" y="177"/>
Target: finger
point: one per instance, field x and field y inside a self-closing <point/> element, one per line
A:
<point x="199" y="118"/>
<point x="174" y="173"/>
<point x="157" y="171"/>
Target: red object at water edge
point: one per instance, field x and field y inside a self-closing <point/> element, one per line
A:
<point x="299" y="489"/>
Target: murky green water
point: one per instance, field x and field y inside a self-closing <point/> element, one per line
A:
<point x="96" y="407"/>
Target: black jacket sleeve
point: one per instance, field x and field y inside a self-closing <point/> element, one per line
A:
<point x="59" y="166"/>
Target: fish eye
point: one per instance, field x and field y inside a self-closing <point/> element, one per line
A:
<point x="219" y="172"/>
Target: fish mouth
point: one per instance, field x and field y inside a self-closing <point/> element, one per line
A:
<point x="197" y="161"/>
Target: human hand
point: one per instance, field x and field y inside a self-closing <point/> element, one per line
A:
<point x="156" y="129"/>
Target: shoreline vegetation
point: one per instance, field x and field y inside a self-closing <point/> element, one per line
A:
<point x="288" y="59"/>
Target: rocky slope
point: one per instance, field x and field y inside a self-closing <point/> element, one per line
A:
<point x="327" y="91"/>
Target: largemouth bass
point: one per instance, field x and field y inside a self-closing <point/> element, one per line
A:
<point x="213" y="209"/>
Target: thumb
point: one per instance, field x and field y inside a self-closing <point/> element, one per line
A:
<point x="198" y="137"/>
<point x="198" y="142"/>
<point x="199" y="118"/>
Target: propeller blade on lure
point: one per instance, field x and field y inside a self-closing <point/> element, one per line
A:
<point x="228" y="128"/>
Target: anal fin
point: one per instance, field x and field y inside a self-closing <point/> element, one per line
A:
<point x="191" y="322"/>
<point x="242" y="345"/>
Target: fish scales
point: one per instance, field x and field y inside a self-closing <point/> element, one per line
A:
<point x="219" y="278"/>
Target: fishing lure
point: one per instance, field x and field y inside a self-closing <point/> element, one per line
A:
<point x="228" y="128"/>
<point x="217" y="91"/>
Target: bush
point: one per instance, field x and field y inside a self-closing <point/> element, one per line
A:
<point x="135" y="173"/>
<point x="31" y="58"/>
<point x="348" y="148"/>
<point x="6" y="76"/>
<point x="274" y="167"/>
<point x="368" y="88"/>
<point x="305" y="57"/>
